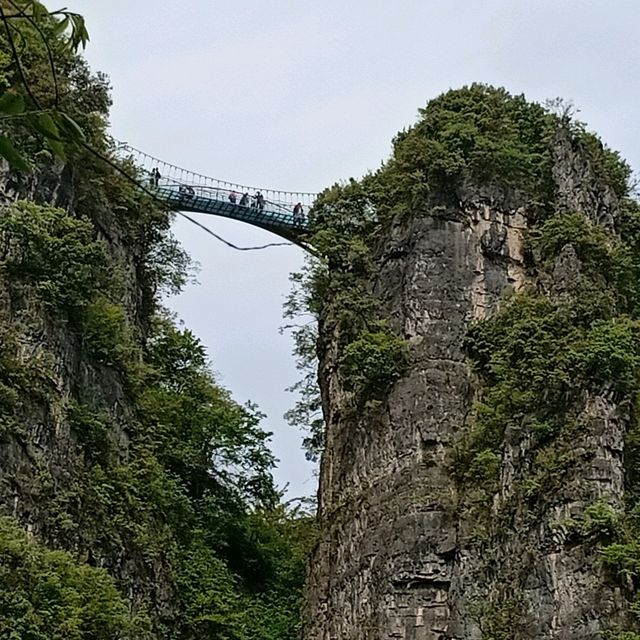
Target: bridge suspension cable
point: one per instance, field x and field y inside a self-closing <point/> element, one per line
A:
<point x="280" y="212"/>
<point x="179" y="175"/>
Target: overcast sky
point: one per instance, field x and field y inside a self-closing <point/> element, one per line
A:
<point x="297" y="95"/>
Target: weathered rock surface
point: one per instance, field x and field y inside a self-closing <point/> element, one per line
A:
<point x="396" y="558"/>
<point x="42" y="463"/>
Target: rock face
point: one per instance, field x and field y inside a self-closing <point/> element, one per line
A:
<point x="397" y="558"/>
<point x="42" y="464"/>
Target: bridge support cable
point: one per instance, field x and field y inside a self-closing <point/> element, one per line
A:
<point x="230" y="244"/>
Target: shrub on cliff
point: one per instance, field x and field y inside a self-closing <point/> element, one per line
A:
<point x="372" y="362"/>
<point x="54" y="252"/>
<point x="48" y="595"/>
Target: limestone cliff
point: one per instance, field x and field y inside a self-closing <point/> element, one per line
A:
<point x="46" y="448"/>
<point x="449" y="507"/>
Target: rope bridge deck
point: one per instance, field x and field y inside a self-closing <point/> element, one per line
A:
<point x="184" y="190"/>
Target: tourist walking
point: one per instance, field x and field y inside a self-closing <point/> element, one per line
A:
<point x="298" y="215"/>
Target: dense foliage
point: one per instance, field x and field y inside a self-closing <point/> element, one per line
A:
<point x="145" y="466"/>
<point x="47" y="594"/>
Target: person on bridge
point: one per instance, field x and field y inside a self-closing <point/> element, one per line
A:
<point x="186" y="191"/>
<point x="244" y="201"/>
<point x="232" y="197"/>
<point x="155" y="177"/>
<point x="258" y="200"/>
<point x="298" y="214"/>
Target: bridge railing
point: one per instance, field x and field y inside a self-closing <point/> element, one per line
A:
<point x="220" y="194"/>
<point x="172" y="175"/>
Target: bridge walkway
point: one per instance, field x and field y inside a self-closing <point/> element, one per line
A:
<point x="187" y="191"/>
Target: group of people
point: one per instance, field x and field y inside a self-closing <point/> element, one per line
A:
<point x="154" y="178"/>
<point x="258" y="201"/>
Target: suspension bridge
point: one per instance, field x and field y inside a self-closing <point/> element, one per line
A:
<point x="280" y="212"/>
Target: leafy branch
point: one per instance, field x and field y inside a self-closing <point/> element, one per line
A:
<point x="56" y="126"/>
<point x="68" y="21"/>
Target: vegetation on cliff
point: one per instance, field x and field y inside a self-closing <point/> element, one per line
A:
<point x="48" y="594"/>
<point x="571" y="335"/>
<point x="149" y="490"/>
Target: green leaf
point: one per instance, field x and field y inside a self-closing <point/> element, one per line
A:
<point x="9" y="153"/>
<point x="11" y="103"/>
<point x="79" y="33"/>
<point x="58" y="148"/>
<point x="62" y="26"/>
<point x="70" y="127"/>
<point x="45" y="124"/>
<point x="39" y="11"/>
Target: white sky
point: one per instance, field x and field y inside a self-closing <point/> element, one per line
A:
<point x="298" y="95"/>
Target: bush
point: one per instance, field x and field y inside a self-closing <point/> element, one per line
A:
<point x="591" y="243"/>
<point x="107" y="332"/>
<point x="476" y="134"/>
<point x="611" y="353"/>
<point x="47" y="595"/>
<point x="53" y="252"/>
<point x="374" y="361"/>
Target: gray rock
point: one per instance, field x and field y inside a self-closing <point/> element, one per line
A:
<point x="396" y="558"/>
